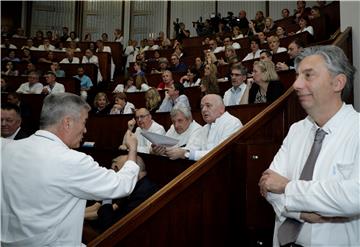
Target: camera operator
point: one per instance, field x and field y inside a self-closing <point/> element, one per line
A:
<point x="203" y="28"/>
<point x="180" y="31"/>
<point x="241" y="21"/>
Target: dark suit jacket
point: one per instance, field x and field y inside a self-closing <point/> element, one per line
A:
<point x="107" y="216"/>
<point x="21" y="134"/>
<point x="274" y="91"/>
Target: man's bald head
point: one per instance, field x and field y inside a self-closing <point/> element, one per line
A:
<point x="212" y="107"/>
<point x="119" y="162"/>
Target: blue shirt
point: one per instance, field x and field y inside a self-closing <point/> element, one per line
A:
<point x="85" y="81"/>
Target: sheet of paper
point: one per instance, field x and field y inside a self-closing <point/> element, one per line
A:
<point x="158" y="139"/>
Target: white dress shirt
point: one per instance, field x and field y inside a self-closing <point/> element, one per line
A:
<point x="58" y="88"/>
<point x="167" y="104"/>
<point x="74" y="60"/>
<point x="184" y="137"/>
<point x="251" y="55"/>
<point x="45" y="186"/>
<point x="308" y="29"/>
<point x="211" y="135"/>
<point x="144" y="144"/>
<point x="128" y="109"/>
<point x="233" y="95"/>
<point x="27" y="89"/>
<point x="335" y="187"/>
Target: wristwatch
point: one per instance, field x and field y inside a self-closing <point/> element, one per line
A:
<point x="187" y="153"/>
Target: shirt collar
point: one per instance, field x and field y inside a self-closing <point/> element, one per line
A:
<point x="50" y="136"/>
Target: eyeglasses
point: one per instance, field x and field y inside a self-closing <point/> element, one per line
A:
<point x="141" y="117"/>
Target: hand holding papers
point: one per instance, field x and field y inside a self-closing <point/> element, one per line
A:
<point x="158" y="139"/>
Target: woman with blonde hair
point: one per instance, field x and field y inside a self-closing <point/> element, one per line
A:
<point x="101" y="104"/>
<point x="152" y="99"/>
<point x="265" y="86"/>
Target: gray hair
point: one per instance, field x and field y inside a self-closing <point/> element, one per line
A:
<point x="57" y="106"/>
<point x="181" y="108"/>
<point x="335" y="61"/>
<point x="240" y="67"/>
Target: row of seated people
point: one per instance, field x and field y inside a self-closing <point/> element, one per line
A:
<point x="40" y="58"/>
<point x="113" y="48"/>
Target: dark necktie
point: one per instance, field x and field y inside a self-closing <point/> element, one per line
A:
<point x="289" y="231"/>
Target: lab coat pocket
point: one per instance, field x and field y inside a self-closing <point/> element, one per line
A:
<point x="345" y="170"/>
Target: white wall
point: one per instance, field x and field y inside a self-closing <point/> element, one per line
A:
<point x="52" y="16"/>
<point x="101" y="17"/>
<point x="349" y="16"/>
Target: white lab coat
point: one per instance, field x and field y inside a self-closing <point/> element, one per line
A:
<point x="45" y="186"/>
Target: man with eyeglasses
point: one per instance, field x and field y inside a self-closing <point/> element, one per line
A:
<point x="144" y="121"/>
<point x="33" y="86"/>
<point x="53" y="86"/>
<point x="238" y="76"/>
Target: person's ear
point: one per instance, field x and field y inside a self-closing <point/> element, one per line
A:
<point x="339" y="82"/>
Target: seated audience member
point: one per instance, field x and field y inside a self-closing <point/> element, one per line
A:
<point x="303" y="23"/>
<point x="141" y="84"/>
<point x="85" y="82"/>
<point x="6" y="44"/>
<point x="10" y="70"/>
<point x="274" y="45"/>
<point x="238" y="77"/>
<point x="281" y="32"/>
<point x="30" y="45"/>
<point x="301" y="10"/>
<point x="144" y="121"/>
<point x="294" y="49"/>
<point x="70" y="58"/>
<point x="127" y="88"/>
<point x="163" y="66"/>
<point x="313" y="181"/>
<point x="255" y="51"/>
<point x="15" y="98"/>
<point x="219" y="125"/>
<point x="55" y="68"/>
<point x="152" y="100"/>
<point x="174" y="95"/>
<point x="269" y="25"/>
<point x="230" y="56"/>
<point x="138" y="67"/>
<point x="259" y="21"/>
<point x="122" y="106"/>
<point x="237" y="33"/>
<point x="89" y="57"/>
<point x="199" y="65"/>
<point x="165" y="43"/>
<point x="262" y="38"/>
<point x="110" y="211"/>
<point x="214" y="48"/>
<point x="315" y="13"/>
<point x="26" y="56"/>
<point x="167" y="80"/>
<point x="101" y="104"/>
<point x="33" y="86"/>
<point x="30" y="67"/>
<point x="53" y="86"/>
<point x="11" y="57"/>
<point x="152" y="45"/>
<point x="48" y="59"/>
<point x="46" y="46"/>
<point x="182" y="128"/>
<point x="265" y="86"/>
<point x="73" y="37"/>
<point x="87" y="37"/>
<point x="266" y="55"/>
<point x="176" y="65"/>
<point x="209" y="85"/>
<point x="11" y="122"/>
<point x="20" y="33"/>
<point x="285" y="13"/>
<point x="228" y="41"/>
<point x="191" y="79"/>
